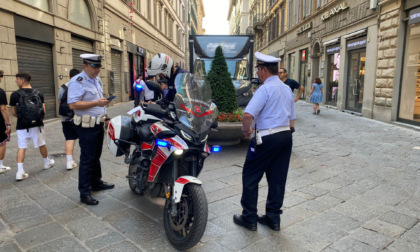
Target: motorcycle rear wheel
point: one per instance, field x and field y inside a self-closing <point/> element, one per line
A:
<point x="133" y="171"/>
<point x="185" y="229"/>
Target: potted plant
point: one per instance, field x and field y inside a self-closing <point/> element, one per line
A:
<point x="229" y="131"/>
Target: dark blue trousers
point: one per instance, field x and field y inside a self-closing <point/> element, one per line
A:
<point x="90" y="141"/>
<point x="272" y="157"/>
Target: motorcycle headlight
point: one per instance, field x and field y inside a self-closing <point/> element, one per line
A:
<point x="178" y="152"/>
<point x="186" y="135"/>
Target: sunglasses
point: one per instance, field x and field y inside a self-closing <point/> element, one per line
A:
<point x="94" y="65"/>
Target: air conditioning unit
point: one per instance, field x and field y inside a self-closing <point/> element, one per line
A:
<point x="373" y="4"/>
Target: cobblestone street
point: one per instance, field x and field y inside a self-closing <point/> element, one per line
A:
<point x="353" y="185"/>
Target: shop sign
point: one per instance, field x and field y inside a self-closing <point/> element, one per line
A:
<point x="337" y="9"/>
<point x="356" y="43"/>
<point x="333" y="49"/>
<point x="303" y="55"/>
<point x="140" y="51"/>
<point x="414" y="16"/>
<point x="304" y="28"/>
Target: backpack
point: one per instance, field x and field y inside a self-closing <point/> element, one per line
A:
<point x="30" y="111"/>
<point x="64" y="108"/>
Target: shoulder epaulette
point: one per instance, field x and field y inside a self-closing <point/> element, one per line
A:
<point x="79" y="79"/>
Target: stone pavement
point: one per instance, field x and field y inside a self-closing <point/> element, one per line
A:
<point x="353" y="186"/>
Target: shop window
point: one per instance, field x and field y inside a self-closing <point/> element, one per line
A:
<point x="333" y="78"/>
<point x="79" y="13"/>
<point x="410" y="88"/>
<point x="292" y="64"/>
<point x="41" y="4"/>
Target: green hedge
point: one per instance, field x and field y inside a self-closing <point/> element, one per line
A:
<point x="222" y="87"/>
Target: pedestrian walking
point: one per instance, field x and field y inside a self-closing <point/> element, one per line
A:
<point x="85" y="97"/>
<point x="67" y="114"/>
<point x="5" y="127"/>
<point x="139" y="95"/>
<point x="27" y="104"/>
<point x="269" y="118"/>
<point x="316" y="95"/>
<point x="290" y="82"/>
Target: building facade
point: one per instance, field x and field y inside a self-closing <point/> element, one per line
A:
<point x="194" y="24"/>
<point x="238" y="17"/>
<point x="397" y="90"/>
<point x="366" y="52"/>
<point x="195" y="17"/>
<point x="46" y="37"/>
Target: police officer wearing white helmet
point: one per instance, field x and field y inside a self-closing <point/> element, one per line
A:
<point x="163" y="66"/>
<point x="85" y="97"/>
<point x="269" y="121"/>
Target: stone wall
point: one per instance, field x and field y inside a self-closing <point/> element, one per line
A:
<point x="387" y="48"/>
<point x="8" y="57"/>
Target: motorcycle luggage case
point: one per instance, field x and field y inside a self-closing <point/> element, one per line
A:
<point x="119" y="128"/>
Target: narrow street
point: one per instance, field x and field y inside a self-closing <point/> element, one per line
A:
<point x="353" y="185"/>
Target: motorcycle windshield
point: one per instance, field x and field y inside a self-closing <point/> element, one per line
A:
<point x="193" y="104"/>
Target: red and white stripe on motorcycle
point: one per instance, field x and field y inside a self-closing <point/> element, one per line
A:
<point x="146" y="146"/>
<point x="111" y="132"/>
<point x="175" y="143"/>
<point x="179" y="186"/>
<point x="206" y="148"/>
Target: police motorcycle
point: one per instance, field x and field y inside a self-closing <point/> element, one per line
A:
<point x="170" y="146"/>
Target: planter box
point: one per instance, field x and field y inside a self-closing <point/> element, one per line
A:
<point x="228" y="133"/>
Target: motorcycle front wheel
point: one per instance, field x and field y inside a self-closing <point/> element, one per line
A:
<point x="185" y="229"/>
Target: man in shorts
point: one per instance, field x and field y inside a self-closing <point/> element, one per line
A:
<point x="5" y="127"/>
<point x="24" y="134"/>
<point x="68" y="127"/>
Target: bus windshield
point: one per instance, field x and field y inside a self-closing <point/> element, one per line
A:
<point x="238" y="69"/>
<point x="237" y="50"/>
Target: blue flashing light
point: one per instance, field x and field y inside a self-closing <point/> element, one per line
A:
<point x="138" y="87"/>
<point x="162" y="143"/>
<point x="215" y="148"/>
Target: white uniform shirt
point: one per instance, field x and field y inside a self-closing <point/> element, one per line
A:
<point x="272" y="104"/>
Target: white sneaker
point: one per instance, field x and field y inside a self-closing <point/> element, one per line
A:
<point x="4" y="169"/>
<point x="50" y="164"/>
<point x="21" y="176"/>
<point x="71" y="165"/>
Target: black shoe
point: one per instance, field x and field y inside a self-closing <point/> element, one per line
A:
<point x="318" y="111"/>
<point x="263" y="219"/>
<point x="103" y="186"/>
<point x="243" y="223"/>
<point x="89" y="200"/>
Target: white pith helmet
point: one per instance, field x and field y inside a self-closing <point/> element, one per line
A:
<point x="160" y="64"/>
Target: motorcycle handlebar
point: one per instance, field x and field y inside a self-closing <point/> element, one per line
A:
<point x="156" y="110"/>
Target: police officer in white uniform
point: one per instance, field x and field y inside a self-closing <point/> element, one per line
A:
<point x="269" y="122"/>
<point x="85" y="97"/>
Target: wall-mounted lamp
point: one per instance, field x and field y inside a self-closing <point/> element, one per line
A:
<point x="60" y="76"/>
